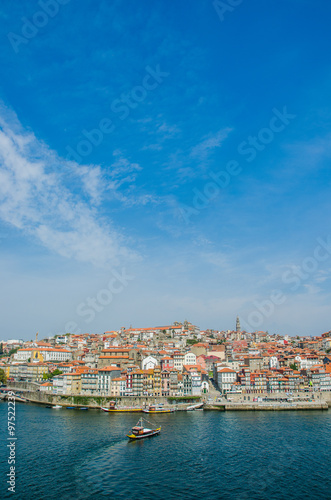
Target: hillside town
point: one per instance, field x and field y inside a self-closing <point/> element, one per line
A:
<point x="173" y="360"/>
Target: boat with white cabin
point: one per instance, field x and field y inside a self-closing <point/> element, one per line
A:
<point x="140" y="432"/>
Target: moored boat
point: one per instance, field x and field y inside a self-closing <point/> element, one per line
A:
<point x="113" y="408"/>
<point x="57" y="406"/>
<point x="140" y="432"/>
<point x="158" y="409"/>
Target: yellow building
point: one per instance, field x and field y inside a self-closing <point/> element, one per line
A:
<point x="28" y="371"/>
<point x="148" y="381"/>
<point x="157" y="386"/>
<point x="72" y="383"/>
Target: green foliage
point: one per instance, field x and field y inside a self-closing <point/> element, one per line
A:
<point x="3" y="378"/>
<point x="293" y="366"/>
<point x="48" y="376"/>
<point x="81" y="400"/>
<point x="13" y="351"/>
<point x="191" y="341"/>
<point x="328" y="350"/>
<point x="1" y="349"/>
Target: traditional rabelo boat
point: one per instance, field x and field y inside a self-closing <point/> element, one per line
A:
<point x="140" y="432"/>
<point x="158" y="409"/>
<point x="113" y="408"/>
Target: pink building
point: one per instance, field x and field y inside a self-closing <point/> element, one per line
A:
<point x="167" y="363"/>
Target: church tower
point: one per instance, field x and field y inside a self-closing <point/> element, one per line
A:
<point x="238" y="328"/>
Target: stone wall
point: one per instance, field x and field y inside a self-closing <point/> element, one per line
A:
<point x="29" y="391"/>
<point x="323" y="397"/>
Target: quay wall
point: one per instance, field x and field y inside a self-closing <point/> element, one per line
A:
<point x="236" y="402"/>
<point x="247" y="398"/>
<point x="276" y="406"/>
<point x="36" y="396"/>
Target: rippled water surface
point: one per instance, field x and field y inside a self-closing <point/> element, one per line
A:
<point x="235" y="455"/>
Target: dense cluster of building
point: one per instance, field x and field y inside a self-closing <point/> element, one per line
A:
<point x="175" y="360"/>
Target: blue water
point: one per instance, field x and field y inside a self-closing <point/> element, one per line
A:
<point x="71" y="454"/>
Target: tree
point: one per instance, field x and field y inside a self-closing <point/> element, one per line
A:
<point x="48" y="376"/>
<point x="12" y="351"/>
<point x="293" y="366"/>
<point x="3" y="378"/>
<point x="1" y="349"/>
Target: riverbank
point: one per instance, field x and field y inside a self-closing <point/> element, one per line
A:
<point x="268" y="406"/>
<point x="71" y="401"/>
<point x="31" y="394"/>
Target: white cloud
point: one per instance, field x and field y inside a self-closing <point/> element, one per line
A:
<point x="212" y="141"/>
<point x="37" y="197"/>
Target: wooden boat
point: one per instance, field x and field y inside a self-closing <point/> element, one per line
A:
<point x="113" y="408"/>
<point x="140" y="432"/>
<point x="158" y="409"/>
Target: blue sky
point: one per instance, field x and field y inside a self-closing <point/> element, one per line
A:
<point x="163" y="161"/>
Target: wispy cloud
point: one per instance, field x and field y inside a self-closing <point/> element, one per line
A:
<point x="202" y="150"/>
<point x="160" y="130"/>
<point x="36" y="198"/>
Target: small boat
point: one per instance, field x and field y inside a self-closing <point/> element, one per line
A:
<point x="140" y="432"/>
<point x="112" y="407"/>
<point x="83" y="408"/>
<point x="57" y="406"/>
<point x="158" y="409"/>
<point x="70" y="407"/>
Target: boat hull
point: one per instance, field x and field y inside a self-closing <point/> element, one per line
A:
<point x="151" y="433"/>
<point x="121" y="410"/>
<point x="158" y="411"/>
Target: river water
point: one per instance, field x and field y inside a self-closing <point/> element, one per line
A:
<point x="73" y="454"/>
